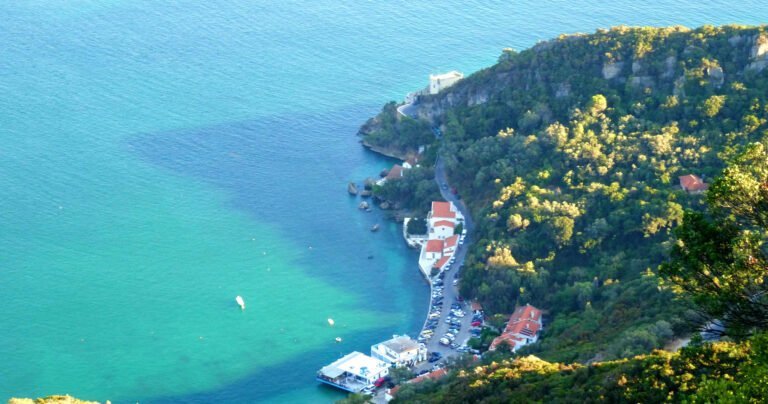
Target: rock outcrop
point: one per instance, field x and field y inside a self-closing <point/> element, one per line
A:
<point x="352" y="188"/>
<point x="612" y="70"/>
<point x="759" y="53"/>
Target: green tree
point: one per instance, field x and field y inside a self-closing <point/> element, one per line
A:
<point x="719" y="259"/>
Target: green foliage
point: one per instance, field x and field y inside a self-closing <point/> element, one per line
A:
<point x="414" y="191"/>
<point x="417" y="226"/>
<point x="719" y="259"/>
<point x="720" y="372"/>
<point x="571" y="173"/>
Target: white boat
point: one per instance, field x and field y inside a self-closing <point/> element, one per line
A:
<point x="240" y="302"/>
<point x="331" y="322"/>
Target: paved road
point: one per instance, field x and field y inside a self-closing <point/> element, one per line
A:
<point x="450" y="292"/>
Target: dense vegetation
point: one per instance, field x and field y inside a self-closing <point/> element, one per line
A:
<point x="718" y="261"/>
<point x="719" y="372"/>
<point x="568" y="155"/>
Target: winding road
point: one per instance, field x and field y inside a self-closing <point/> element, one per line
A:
<point x="450" y="292"/>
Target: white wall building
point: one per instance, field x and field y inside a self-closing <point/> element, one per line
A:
<point x="444" y="211"/>
<point x="399" y="351"/>
<point x="442" y="229"/>
<point x="439" y="82"/>
<point x="353" y="372"/>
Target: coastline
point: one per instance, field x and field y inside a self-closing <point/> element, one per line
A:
<point x="387" y="152"/>
<point x="452" y="272"/>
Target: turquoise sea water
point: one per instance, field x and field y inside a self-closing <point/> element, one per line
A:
<point x="159" y="158"/>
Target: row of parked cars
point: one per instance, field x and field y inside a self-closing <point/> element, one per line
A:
<point x="434" y="312"/>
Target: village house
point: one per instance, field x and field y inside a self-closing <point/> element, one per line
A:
<point x="444" y="211"/>
<point x="437" y="252"/>
<point x="692" y="184"/>
<point x="411" y="162"/>
<point x="522" y="329"/>
<point x="442" y="229"/>
<point x="399" y="351"/>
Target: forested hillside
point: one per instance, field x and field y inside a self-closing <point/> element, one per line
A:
<point x="568" y="155"/>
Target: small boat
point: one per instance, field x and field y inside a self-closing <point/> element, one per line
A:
<point x="240" y="302"/>
<point x="375" y="227"/>
<point x="331" y="322"/>
<point x="338" y="339"/>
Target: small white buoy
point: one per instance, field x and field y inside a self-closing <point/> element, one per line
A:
<point x="331" y="322"/>
<point x="338" y="339"/>
<point x="240" y="302"/>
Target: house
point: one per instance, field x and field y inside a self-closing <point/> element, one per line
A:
<point x="522" y="329"/>
<point x="439" y="82"/>
<point x="353" y="372"/>
<point x="395" y="173"/>
<point x="692" y="184"/>
<point x="399" y="351"/>
<point x="411" y="162"/>
<point x="434" y="249"/>
<point x="442" y="229"/>
<point x="449" y="245"/>
<point x="442" y="263"/>
<point x="444" y="211"/>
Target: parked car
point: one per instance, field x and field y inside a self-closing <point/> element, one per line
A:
<point x="445" y="341"/>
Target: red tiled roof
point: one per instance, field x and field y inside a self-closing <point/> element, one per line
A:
<point x="525" y="328"/>
<point x="393" y="390"/>
<point x="524" y="322"/>
<point x="435" y="246"/>
<point x="511" y="340"/>
<point x="434" y="375"/>
<point x="451" y="241"/>
<point x="525" y="312"/>
<point x="442" y="209"/>
<point x="446" y="223"/>
<point x="441" y="262"/>
<point x="691" y="182"/>
<point x="395" y="172"/>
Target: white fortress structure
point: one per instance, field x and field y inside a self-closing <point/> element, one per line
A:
<point x="439" y="82"/>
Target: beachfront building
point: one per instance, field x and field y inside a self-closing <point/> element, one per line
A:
<point x="441" y="243"/>
<point x="353" y="372"/>
<point x="394" y="173"/>
<point x="410" y="162"/>
<point x="439" y="82"/>
<point x="444" y="211"/>
<point x="399" y="351"/>
<point x="522" y="329"/>
<point x="449" y="245"/>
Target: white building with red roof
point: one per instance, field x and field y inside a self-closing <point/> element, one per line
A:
<point x="522" y="329"/>
<point x="450" y="244"/>
<point x="442" y="229"/>
<point x="441" y="223"/>
<point x="444" y="211"/>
